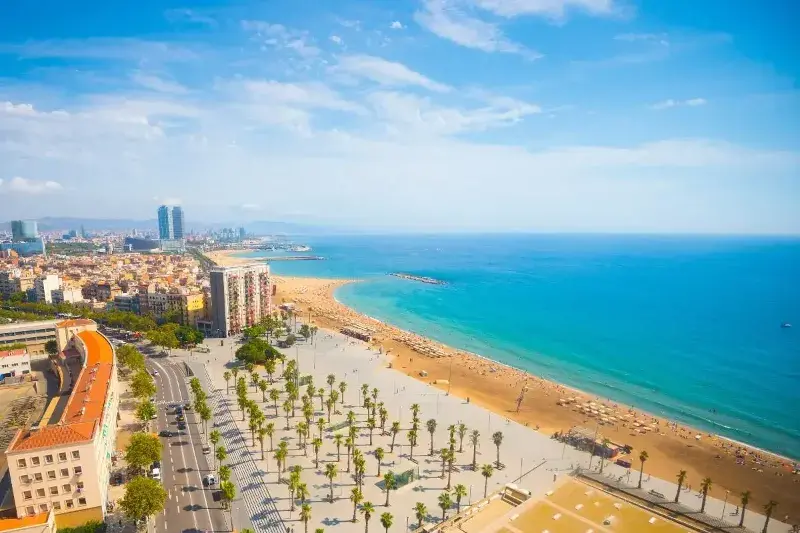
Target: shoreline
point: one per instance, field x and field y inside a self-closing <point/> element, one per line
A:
<point x="496" y="386"/>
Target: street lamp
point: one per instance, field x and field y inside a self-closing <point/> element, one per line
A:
<point x="724" y="505"/>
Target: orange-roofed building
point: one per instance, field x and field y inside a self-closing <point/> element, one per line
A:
<point x="39" y="523"/>
<point x="63" y="463"/>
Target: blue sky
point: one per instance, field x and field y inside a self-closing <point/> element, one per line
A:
<point x="429" y="115"/>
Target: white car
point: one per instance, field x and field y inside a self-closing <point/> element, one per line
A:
<point x="155" y="372"/>
<point x="156" y="473"/>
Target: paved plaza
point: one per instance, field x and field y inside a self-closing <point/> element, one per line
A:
<point x="531" y="460"/>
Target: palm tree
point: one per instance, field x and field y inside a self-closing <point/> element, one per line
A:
<point x="395" y="430"/>
<point x="459" y="491"/>
<point x="262" y="432"/>
<point x="305" y="515"/>
<point x="475" y="441"/>
<point x="280" y="460"/>
<point x="214" y="438"/>
<point x="274" y="395"/>
<point x="497" y="439"/>
<point x="342" y="389"/>
<point x="643" y="459"/>
<point x="330" y="473"/>
<point x="462" y="432"/>
<point x="415" y="409"/>
<point x="269" y="366"/>
<point x="330" y="380"/>
<point x="443" y="455"/>
<point x="221" y="454"/>
<point x="227" y="377"/>
<point x="317" y="444"/>
<point x="386" y="521"/>
<point x="412" y="441"/>
<point x="320" y="426"/>
<point x="681" y="478"/>
<point x="486" y="472"/>
<point x="337" y="440"/>
<point x="235" y="374"/>
<point x="390" y="483"/>
<point x="431" y="425"/>
<point x="348" y="445"/>
<point x="705" y="486"/>
<point x="364" y="391"/>
<point x="269" y="431"/>
<point x="606" y="442"/>
<point x="351" y="418"/>
<point x="451" y="458"/>
<point x="383" y="413"/>
<point x="371" y="426"/>
<point x="768" y="508"/>
<point x="263" y="386"/>
<point x="321" y="394"/>
<point x="445" y="503"/>
<point x="379" y="457"/>
<point x="745" y="500"/>
<point x="367" y="509"/>
<point x="356" y="496"/>
<point x="329" y="405"/>
<point x="294" y="481"/>
<point x="302" y="493"/>
<point x="420" y="511"/>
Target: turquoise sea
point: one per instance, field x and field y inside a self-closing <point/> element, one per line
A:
<point x="684" y="327"/>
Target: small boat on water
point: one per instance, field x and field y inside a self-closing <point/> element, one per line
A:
<point x="786" y="325"/>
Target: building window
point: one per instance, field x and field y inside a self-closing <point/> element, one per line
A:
<point x="56" y="506"/>
<point x="53" y="491"/>
<point x="27" y="495"/>
<point x="76" y="454"/>
<point x="81" y="501"/>
<point x="35" y="461"/>
<point x="65" y="472"/>
<point x="78" y="470"/>
<point x="30" y="510"/>
<point x="67" y="488"/>
<point x="25" y="478"/>
<point x="43" y="507"/>
<point x="37" y="476"/>
<point x="40" y="493"/>
<point x="48" y="459"/>
<point x="21" y="463"/>
<point x="80" y="484"/>
<point x="51" y="474"/>
<point x="62" y="456"/>
<point x="69" y="504"/>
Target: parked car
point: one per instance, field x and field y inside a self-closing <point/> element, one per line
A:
<point x="206" y="450"/>
<point x="155" y="473"/>
<point x="209" y="480"/>
<point x="166" y="433"/>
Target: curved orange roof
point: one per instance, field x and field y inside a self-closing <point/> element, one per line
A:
<point x="85" y="407"/>
<point x="74" y="322"/>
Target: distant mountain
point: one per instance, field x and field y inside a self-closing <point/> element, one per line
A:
<point x="261" y="227"/>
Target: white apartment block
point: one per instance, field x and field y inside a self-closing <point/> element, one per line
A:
<point x="68" y="295"/>
<point x="14" y="363"/>
<point x="240" y="297"/>
<point x="44" y="286"/>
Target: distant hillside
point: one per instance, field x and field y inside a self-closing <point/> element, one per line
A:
<point x="261" y="227"/>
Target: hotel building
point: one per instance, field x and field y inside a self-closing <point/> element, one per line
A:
<point x="240" y="297"/>
<point x="33" y="334"/>
<point x="62" y="464"/>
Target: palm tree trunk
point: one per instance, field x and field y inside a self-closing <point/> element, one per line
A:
<point x="474" y="457"/>
<point x="498" y="457"/>
<point x="741" y="520"/>
<point x="678" y="494"/>
<point x="485" y="486"/>
<point x="703" y="505"/>
<point x="641" y="473"/>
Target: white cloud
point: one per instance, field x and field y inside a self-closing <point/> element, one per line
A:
<point x="28" y="186"/>
<point x="132" y="50"/>
<point x="188" y="15"/>
<point x="639" y="37"/>
<point x="308" y="95"/>
<point x="251" y="207"/>
<point x="336" y="39"/>
<point x="549" y="8"/>
<point x="444" y="19"/>
<point x="280" y="37"/>
<point x="397" y="25"/>
<point x="168" y="200"/>
<point x="669" y="103"/>
<point x="407" y="113"/>
<point x="155" y="83"/>
<point x="385" y="72"/>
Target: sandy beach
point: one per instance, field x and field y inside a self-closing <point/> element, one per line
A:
<point x="671" y="447"/>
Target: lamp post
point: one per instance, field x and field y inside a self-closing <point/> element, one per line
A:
<point x="724" y="505"/>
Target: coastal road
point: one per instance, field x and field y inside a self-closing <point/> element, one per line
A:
<point x="190" y="507"/>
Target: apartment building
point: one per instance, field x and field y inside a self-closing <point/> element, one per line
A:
<point x="44" y="287"/>
<point x="63" y="467"/>
<point x="15" y="280"/>
<point x="33" y="334"/>
<point x="68" y="295"/>
<point x="14" y="363"/>
<point x="240" y="297"/>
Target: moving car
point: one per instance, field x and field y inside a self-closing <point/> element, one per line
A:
<point x="155" y="372"/>
<point x="187" y="406"/>
<point x="181" y="425"/>
<point x="206" y="450"/>
<point x="166" y="433"/>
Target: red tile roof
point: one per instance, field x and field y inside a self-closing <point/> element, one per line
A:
<point x="85" y="405"/>
<point x="11" y="524"/>
<point x="7" y="353"/>
<point x="75" y="322"/>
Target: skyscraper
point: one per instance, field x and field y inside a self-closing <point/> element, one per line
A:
<point x="165" y="226"/>
<point x="177" y="222"/>
<point x="24" y="230"/>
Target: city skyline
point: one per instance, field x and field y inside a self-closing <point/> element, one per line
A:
<point x="429" y="115"/>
